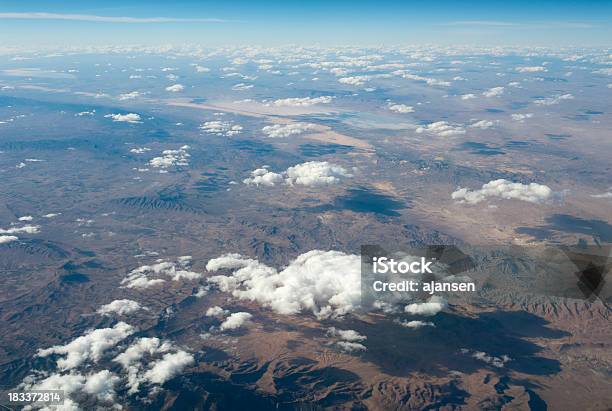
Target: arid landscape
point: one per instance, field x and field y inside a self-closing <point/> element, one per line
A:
<point x="180" y="228"/>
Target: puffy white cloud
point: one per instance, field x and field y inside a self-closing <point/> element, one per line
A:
<point x="346" y="335"/>
<point x="263" y="176"/>
<point x="483" y="124"/>
<point x="355" y="80"/>
<point x="85" y="113"/>
<point x="90" y="346"/>
<point x="235" y="321"/>
<point x="521" y="116"/>
<point x="468" y="96"/>
<point x="68" y="383"/>
<point x="494" y="92"/>
<point x="442" y="129"/>
<point x="135" y="352"/>
<point x="201" y="69"/>
<point x="168" y="367"/>
<point x="51" y="215"/>
<point x="26" y="218"/>
<point x="132" y="362"/>
<point x="175" y="88"/>
<point x="533" y="192"/>
<point x="401" y="108"/>
<point x="350" y="346"/>
<point x="5" y="239"/>
<point x="432" y="307"/>
<point x="125" y="118"/>
<point x="129" y="96"/>
<point x="102" y="385"/>
<point x="139" y="150"/>
<point x="140" y="277"/>
<point x="221" y="128"/>
<point x="286" y="130"/>
<point x="498" y="362"/>
<point x="415" y="324"/>
<point x="303" y="101"/>
<point x="169" y="158"/>
<point x="311" y="173"/>
<point x="216" y="311"/>
<point x="531" y="69"/>
<point x="550" y="101"/>
<point x="327" y="283"/>
<point x="121" y="307"/>
<point x="26" y="229"/>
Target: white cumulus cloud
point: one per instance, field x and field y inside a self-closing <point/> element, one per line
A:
<point x="221" y="128"/>
<point x="401" y="108"/>
<point x="521" y="117"/>
<point x="286" y="130"/>
<point x="235" y="321"/>
<point x="5" y="239"/>
<point x="311" y="173"/>
<point x="551" y="101"/>
<point x="497" y="362"/>
<point x="442" y="129"/>
<point x="327" y="283"/>
<point x="531" y="69"/>
<point x="90" y="346"/>
<point x="175" y="88"/>
<point x="121" y="307"/>
<point x="141" y="277"/>
<point x="494" y="92"/>
<point x="501" y="188"/>
<point x="170" y="158"/>
<point x="433" y="306"/>
<point x="125" y="118"/>
<point x="170" y="365"/>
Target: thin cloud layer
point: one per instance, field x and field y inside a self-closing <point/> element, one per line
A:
<point x="303" y="101"/>
<point x="551" y="101"/>
<point x="497" y="362"/>
<point x="104" y="19"/>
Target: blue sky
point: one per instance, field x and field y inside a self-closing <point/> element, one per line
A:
<point x="548" y="23"/>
